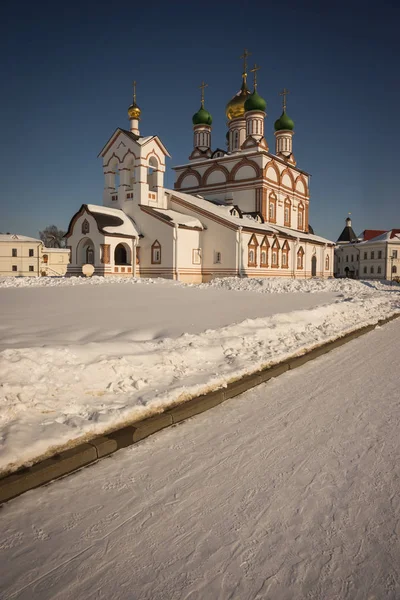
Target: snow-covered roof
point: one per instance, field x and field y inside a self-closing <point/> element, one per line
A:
<point x="13" y="237"/>
<point x="179" y="218"/>
<point x="56" y="250"/>
<point x="224" y="212"/>
<point x="125" y="226"/>
<point x="389" y="236"/>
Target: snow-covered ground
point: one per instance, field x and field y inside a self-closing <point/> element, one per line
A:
<point x="290" y="491"/>
<point x="82" y="356"/>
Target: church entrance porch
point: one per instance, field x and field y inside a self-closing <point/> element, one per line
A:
<point x="122" y="255"/>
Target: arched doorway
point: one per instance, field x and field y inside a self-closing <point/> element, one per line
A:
<point x="122" y="255"/>
<point x="85" y="252"/>
<point x="314" y="266"/>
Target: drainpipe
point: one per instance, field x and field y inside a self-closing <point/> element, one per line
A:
<point x="176" y="251"/>
<point x="359" y="259"/>
<point x="134" y="256"/>
<point x="296" y="245"/>
<point x="239" y="260"/>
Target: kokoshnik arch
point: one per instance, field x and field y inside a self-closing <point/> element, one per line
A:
<point x="241" y="211"/>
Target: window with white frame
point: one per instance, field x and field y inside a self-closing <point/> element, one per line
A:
<point x="327" y="262"/>
<point x="379" y="253"/>
<point x="365" y="255"/>
<point x="14" y="268"/>
<point x="379" y="269"/>
<point x="196" y="256"/>
<point x="365" y="270"/>
<point x="14" y="252"/>
<point x="372" y="255"/>
<point x="31" y="268"/>
<point x="372" y="270"/>
<point x="394" y="253"/>
<point x="31" y="252"/>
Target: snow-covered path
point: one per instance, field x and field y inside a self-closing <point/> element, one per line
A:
<point x="289" y="491"/>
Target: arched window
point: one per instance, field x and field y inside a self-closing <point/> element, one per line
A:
<point x="45" y="258"/>
<point x="85" y="227"/>
<point x="394" y="269"/>
<point x="236" y="140"/>
<point x="252" y="251"/>
<point x="287" y="219"/>
<point x="300" y="258"/>
<point x="365" y="270"/>
<point x="379" y="269"/>
<point x="152" y="174"/>
<point x="372" y="270"/>
<point x="327" y="262"/>
<point x="272" y="208"/>
<point x="300" y="217"/>
<point x="156" y="253"/>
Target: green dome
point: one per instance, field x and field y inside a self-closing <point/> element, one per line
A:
<point x="255" y="102"/>
<point x="284" y="123"/>
<point x="202" y="117"/>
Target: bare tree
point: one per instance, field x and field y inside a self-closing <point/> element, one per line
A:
<point x="52" y="237"/>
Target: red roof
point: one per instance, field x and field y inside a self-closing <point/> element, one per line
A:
<point x="394" y="233"/>
<point x="368" y="234"/>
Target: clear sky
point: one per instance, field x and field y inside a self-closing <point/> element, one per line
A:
<point x="67" y="70"/>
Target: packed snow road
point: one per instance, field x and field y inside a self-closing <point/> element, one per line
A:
<point x="290" y="491"/>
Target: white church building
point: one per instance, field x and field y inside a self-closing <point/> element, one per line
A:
<point x="240" y="212"/>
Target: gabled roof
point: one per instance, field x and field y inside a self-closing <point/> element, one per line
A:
<point x="138" y="139"/>
<point x="368" y="234"/>
<point x="393" y="235"/>
<point x="13" y="237"/>
<point x="110" y="221"/>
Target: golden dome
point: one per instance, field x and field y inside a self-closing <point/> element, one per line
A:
<point x="134" y="111"/>
<point x="235" y="107"/>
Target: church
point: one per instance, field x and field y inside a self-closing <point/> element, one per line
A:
<point x="242" y="211"/>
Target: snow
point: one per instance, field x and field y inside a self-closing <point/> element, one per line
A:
<point x="224" y="212"/>
<point x="128" y="227"/>
<point x="288" y="491"/>
<point x="179" y="218"/>
<point x="11" y="237"/>
<point x="76" y="361"/>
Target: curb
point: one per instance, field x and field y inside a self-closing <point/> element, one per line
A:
<point x="71" y="460"/>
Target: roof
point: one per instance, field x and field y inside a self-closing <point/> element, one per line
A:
<point x="247" y="222"/>
<point x="13" y="237"/>
<point x="368" y="234"/>
<point x="347" y="235"/>
<point x="393" y="235"/>
<point x="110" y="221"/>
<point x="178" y="218"/>
<point x="56" y="249"/>
<point x="139" y="139"/>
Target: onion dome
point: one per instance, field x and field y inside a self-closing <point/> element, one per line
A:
<point x="134" y="111"/>
<point x="202" y="117"/>
<point x="255" y="102"/>
<point x="284" y="123"/>
<point x="235" y="107"/>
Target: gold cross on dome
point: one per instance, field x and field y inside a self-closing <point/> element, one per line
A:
<point x="284" y="93"/>
<point x="254" y="70"/>
<point x="245" y="56"/>
<point x="134" y="92"/>
<point x="202" y="87"/>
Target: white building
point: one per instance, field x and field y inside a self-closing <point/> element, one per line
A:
<point x="240" y="212"/>
<point x="374" y="254"/>
<point x="25" y="256"/>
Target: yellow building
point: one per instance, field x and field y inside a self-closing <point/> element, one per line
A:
<point x="25" y="256"/>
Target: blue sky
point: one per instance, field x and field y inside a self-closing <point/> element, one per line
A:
<point x="67" y="73"/>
